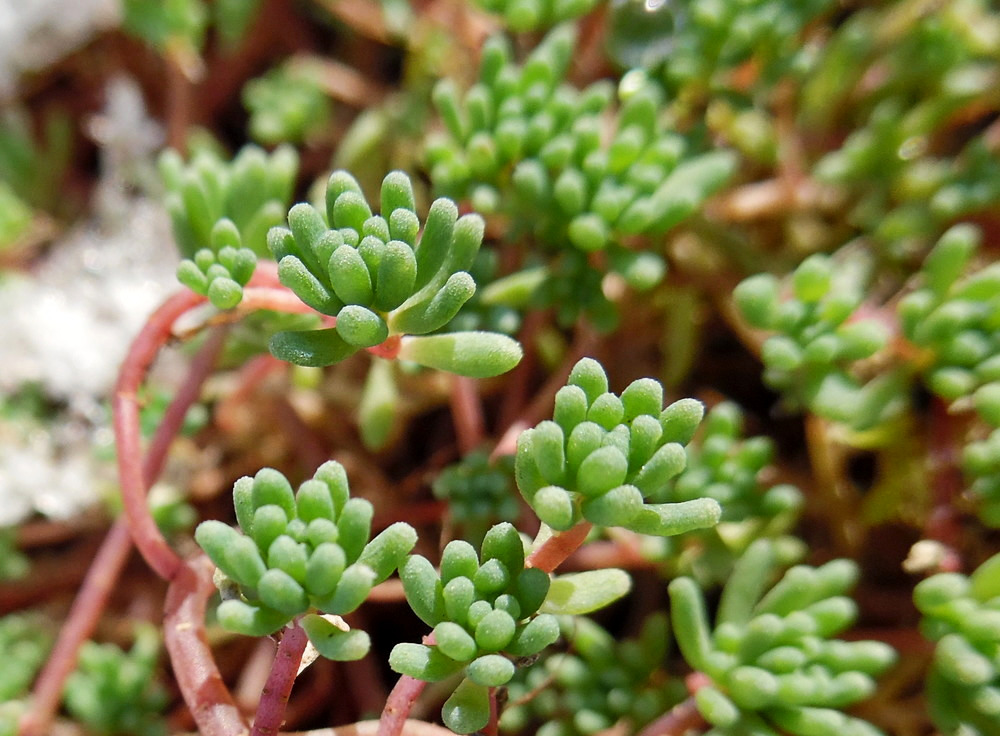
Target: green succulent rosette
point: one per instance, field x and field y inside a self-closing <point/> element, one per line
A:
<point x="488" y="612"/>
<point x="961" y="614"/>
<point x="602" y="455"/>
<point x="771" y="660"/>
<point x="300" y="553"/>
<point x="382" y="276"/>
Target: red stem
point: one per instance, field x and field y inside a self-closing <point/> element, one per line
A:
<point x="201" y="685"/>
<point x="677" y="721"/>
<point x="80" y="624"/>
<point x="398" y="705"/>
<point x="554" y="550"/>
<point x="125" y="405"/>
<point x="274" y="698"/>
<point x="113" y="554"/>
<point x="467" y="413"/>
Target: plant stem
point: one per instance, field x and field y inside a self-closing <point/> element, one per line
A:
<point x="79" y="625"/>
<point x="198" y="678"/>
<point x="125" y="406"/>
<point x="271" y="710"/>
<point x="107" y="565"/>
<point x="554" y="550"/>
<point x="467" y="413"/>
<point x="398" y="705"/>
<point x="677" y="721"/>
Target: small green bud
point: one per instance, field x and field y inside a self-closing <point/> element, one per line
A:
<point x="495" y="631"/>
<point x="680" y="420"/>
<point x="454" y="641"/>
<point x="491" y="670"/>
<point x="589" y="375"/>
<point x="354" y="527"/>
<point x="278" y="590"/>
<point x="757" y="299"/>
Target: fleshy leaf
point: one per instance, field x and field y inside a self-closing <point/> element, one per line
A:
<point x="583" y="592"/>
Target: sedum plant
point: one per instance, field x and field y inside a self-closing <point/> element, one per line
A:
<point x="771" y="662"/>
<point x="602" y="455"/>
<point x="596" y="683"/>
<point x="253" y="191"/>
<point x="960" y="615"/>
<point x="303" y="552"/>
<point x="116" y="692"/>
<point x="485" y="612"/>
<point x="730" y="469"/>
<point x="382" y="277"/>
<point x="821" y="334"/>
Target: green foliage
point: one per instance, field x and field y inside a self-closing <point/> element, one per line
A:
<point x="178" y="23"/>
<point x="116" y="692"/>
<point x="484" y="610"/>
<point x="604" y="455"/>
<point x="821" y="333"/>
<point x="725" y="466"/>
<point x="301" y="551"/>
<point x="32" y="166"/>
<point x="770" y="658"/>
<point x="286" y="105"/>
<point x="523" y="143"/>
<point x="479" y="492"/>
<point x="25" y="642"/>
<point x="954" y="317"/>
<point x="597" y="682"/>
<point x="377" y="278"/>
<point x="981" y="462"/>
<point x="961" y="614"/>
<point x="15" y="217"/>
<point x="221" y="271"/>
<point x="531" y="15"/>
<point x="13" y="563"/>
<point x="253" y="191"/>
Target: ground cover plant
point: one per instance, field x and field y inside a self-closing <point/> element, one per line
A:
<point x="559" y="368"/>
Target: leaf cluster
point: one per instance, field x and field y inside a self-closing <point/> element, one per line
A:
<point x="117" y="692"/>
<point x="381" y="275"/>
<point x="773" y="665"/>
<point x="484" y="610"/>
<point x="301" y="551"/>
<point x="253" y="190"/>
<point x="602" y="455"/>
<point x="596" y="683"/>
<point x="961" y="614"/>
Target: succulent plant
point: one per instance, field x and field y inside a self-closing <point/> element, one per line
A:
<point x="378" y="279"/>
<point x="301" y="552"/>
<point x="602" y="455"/>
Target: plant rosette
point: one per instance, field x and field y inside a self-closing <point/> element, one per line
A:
<point x="299" y="553"/>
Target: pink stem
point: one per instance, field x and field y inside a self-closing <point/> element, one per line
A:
<point x="125" y="405"/>
<point x="554" y="550"/>
<point x="467" y="413"/>
<point x="80" y="624"/>
<point x="274" y="698"/>
<point x="113" y="554"/>
<point x="398" y="705"/>
<point x="677" y="721"/>
<point x="207" y="697"/>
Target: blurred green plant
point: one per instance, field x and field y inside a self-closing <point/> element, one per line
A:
<point x="961" y="614"/>
<point x="118" y="692"/>
<point x="772" y="664"/>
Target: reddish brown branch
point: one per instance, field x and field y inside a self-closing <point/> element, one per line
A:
<point x="398" y="705"/>
<point x="274" y="698"/>
<point x="677" y="721"/>
<point x="467" y="413"/>
<point x="554" y="550"/>
<point x="125" y="405"/>
<point x="201" y="685"/>
<point x="83" y="617"/>
<point x="107" y="565"/>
